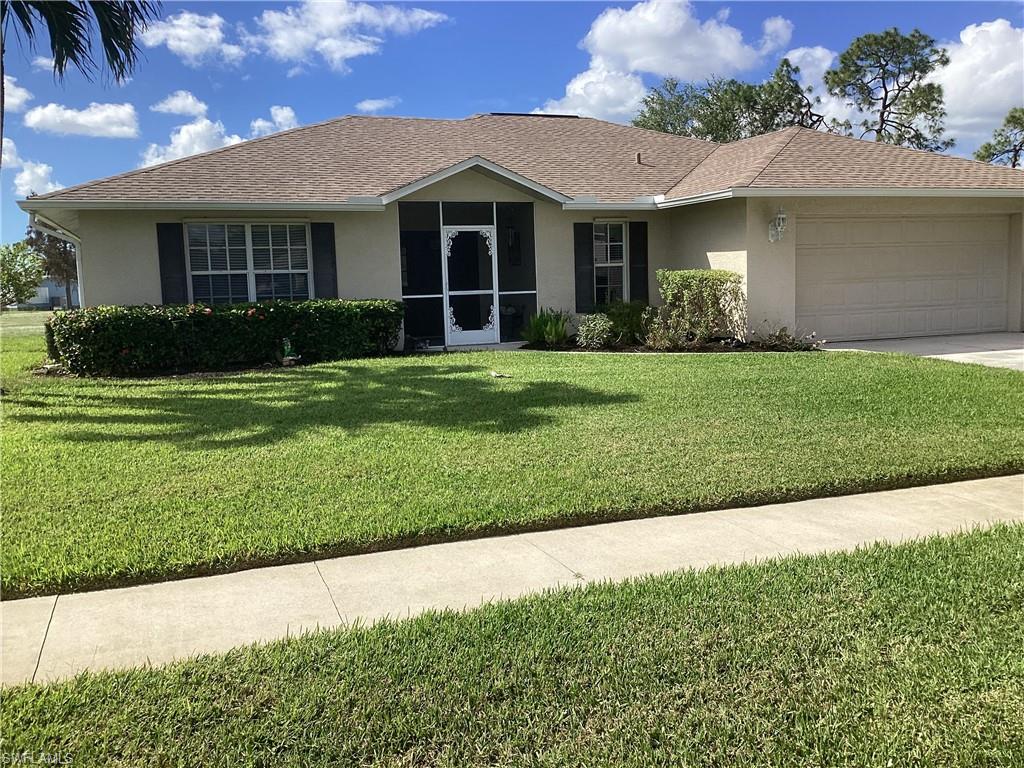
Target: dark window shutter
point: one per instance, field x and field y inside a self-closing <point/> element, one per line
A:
<point x="170" y="246"/>
<point x="583" y="238"/>
<point x="325" y="262"/>
<point x="638" y="278"/>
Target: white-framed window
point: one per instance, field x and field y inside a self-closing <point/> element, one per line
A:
<point x="611" y="258"/>
<point x="237" y="262"/>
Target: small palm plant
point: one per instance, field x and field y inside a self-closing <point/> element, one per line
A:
<point x="548" y="329"/>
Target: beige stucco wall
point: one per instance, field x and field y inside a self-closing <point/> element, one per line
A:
<point x="708" y="236"/>
<point x="369" y="253"/>
<point x="119" y="258"/>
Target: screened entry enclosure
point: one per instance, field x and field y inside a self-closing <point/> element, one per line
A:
<point x="468" y="272"/>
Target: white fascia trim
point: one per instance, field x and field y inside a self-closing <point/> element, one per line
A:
<point x="707" y="197"/>
<point x="873" y="192"/>
<point x="197" y="205"/>
<point x="474" y="162"/>
<point x="582" y="205"/>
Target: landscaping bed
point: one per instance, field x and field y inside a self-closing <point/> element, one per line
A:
<point x="894" y="655"/>
<point x="119" y="481"/>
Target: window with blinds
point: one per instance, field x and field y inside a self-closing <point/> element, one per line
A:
<point x="232" y="263"/>
<point x="609" y="262"/>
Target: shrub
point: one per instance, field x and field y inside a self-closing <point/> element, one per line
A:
<point x="127" y="340"/>
<point x="699" y="305"/>
<point x="627" y="321"/>
<point x="781" y="340"/>
<point x="548" y="328"/>
<point x="595" y="331"/>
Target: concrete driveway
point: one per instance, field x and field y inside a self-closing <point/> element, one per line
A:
<point x="999" y="350"/>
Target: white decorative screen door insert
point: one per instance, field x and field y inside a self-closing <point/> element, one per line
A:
<point x="470" y="266"/>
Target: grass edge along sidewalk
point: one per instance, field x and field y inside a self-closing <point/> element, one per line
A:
<point x="908" y="653"/>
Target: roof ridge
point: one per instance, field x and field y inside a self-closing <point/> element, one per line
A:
<point x="177" y="160"/>
<point x="698" y="165"/>
<point x="769" y="161"/>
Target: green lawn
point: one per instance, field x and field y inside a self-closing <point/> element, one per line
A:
<point x="21" y="345"/>
<point x="892" y="656"/>
<point x="22" y="322"/>
<point x="112" y="481"/>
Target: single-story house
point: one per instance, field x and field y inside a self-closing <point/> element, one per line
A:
<point x="476" y="223"/>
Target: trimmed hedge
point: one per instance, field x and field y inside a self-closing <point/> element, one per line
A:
<point x="131" y="340"/>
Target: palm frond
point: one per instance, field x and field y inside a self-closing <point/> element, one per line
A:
<point x="70" y="25"/>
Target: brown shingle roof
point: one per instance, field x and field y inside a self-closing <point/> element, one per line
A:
<point x="815" y="159"/>
<point x="372" y="156"/>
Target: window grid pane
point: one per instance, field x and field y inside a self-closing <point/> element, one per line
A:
<point x="218" y="257"/>
<point x="608" y="284"/>
<point x="609" y="262"/>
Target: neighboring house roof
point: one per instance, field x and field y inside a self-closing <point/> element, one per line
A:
<point x="577" y="161"/>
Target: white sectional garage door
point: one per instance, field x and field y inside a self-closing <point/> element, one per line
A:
<point x="886" y="277"/>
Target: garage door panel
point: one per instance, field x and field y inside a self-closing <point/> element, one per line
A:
<point x="930" y="260"/>
<point x="821" y="232"/>
<point x="940" y="321"/>
<point x="889" y="292"/>
<point x="967" y="289"/>
<point x="993" y="318"/>
<point x="887" y="231"/>
<point x="917" y="291"/>
<point x="993" y="289"/>
<point x="916" y="321"/>
<point x="877" y="277"/>
<point x="943" y="291"/>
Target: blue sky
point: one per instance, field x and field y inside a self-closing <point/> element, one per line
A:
<point x="236" y="61"/>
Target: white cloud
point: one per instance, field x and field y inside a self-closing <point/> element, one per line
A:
<point x="9" y="156"/>
<point x="777" y="34"/>
<point x="662" y="38"/>
<point x="336" y="32"/>
<point x="281" y="119"/>
<point x="984" y="79"/>
<point x="113" y="121"/>
<point x="15" y="97"/>
<point x="181" y="103"/>
<point x="35" y="179"/>
<point x="194" y="38"/>
<point x="373" y="106"/>
<point x="599" y="92"/>
<point x="201" y="135"/>
<point x="32" y="178"/>
<point x="43" y="63"/>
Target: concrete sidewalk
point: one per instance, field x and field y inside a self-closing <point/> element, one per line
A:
<point x="47" y="638"/>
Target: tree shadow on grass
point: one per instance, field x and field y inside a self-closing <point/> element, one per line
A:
<point x="261" y="409"/>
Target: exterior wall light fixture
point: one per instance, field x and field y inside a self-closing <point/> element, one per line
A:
<point x="777" y="226"/>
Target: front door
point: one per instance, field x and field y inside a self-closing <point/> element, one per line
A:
<point x="469" y="267"/>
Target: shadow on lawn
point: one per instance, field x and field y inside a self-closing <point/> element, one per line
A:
<point x="260" y="409"/>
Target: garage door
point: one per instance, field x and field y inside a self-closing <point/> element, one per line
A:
<point x="879" y="277"/>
